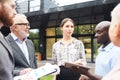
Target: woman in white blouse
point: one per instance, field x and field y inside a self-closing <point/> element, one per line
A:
<point x="68" y="49"/>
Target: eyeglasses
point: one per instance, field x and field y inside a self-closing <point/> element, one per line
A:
<point x="24" y="24"/>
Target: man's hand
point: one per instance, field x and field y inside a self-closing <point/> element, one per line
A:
<point x="24" y="71"/>
<point x="83" y="77"/>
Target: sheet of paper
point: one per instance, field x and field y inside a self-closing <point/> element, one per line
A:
<point x="39" y="72"/>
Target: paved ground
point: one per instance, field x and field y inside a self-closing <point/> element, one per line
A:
<point x="40" y="63"/>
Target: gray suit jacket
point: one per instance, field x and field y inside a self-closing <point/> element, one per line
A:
<point x="20" y="60"/>
<point x="6" y="60"/>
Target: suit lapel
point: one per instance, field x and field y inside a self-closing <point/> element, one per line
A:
<point x="13" y="44"/>
<point x="29" y="51"/>
<point x="5" y="44"/>
<point x="7" y="47"/>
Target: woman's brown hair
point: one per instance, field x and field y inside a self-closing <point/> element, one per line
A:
<point x="65" y="20"/>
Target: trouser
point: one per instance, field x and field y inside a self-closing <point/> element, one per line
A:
<point x="67" y="74"/>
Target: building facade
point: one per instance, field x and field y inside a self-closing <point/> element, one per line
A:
<point x="47" y="16"/>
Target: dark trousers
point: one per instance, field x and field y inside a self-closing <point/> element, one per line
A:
<point x="67" y="74"/>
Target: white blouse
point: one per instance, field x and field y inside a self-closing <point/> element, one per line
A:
<point x="68" y="53"/>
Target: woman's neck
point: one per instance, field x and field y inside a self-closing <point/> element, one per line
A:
<point x="67" y="40"/>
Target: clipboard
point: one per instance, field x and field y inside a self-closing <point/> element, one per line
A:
<point x="82" y="70"/>
<point x="76" y="67"/>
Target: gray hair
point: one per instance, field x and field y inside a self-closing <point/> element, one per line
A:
<point x="115" y="14"/>
<point x="18" y="17"/>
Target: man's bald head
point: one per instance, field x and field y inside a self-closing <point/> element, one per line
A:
<point x="101" y="33"/>
<point x="103" y="24"/>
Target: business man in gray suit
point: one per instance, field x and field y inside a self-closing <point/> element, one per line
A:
<point x="23" y="48"/>
<point x="7" y="13"/>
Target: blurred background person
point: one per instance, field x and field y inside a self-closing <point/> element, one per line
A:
<point x="114" y="33"/>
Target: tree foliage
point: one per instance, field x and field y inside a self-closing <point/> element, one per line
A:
<point x="34" y="37"/>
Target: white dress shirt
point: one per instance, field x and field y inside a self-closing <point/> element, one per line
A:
<point x="22" y="45"/>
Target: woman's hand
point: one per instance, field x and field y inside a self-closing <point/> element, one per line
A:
<point x="80" y="62"/>
<point x="83" y="77"/>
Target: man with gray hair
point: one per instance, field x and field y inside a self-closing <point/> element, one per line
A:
<point x="23" y="48"/>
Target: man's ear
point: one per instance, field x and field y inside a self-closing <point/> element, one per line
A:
<point x="117" y="30"/>
<point x="0" y="5"/>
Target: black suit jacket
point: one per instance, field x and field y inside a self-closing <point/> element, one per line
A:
<point x="20" y="60"/>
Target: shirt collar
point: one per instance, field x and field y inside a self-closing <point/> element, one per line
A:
<point x="16" y="38"/>
<point x="69" y="43"/>
<point x="107" y="48"/>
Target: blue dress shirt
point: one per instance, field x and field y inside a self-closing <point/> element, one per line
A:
<point x="106" y="59"/>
